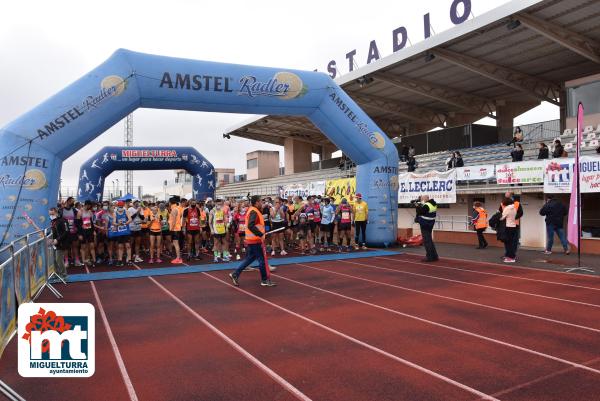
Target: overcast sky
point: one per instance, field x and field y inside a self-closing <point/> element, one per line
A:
<point x="45" y="45"/>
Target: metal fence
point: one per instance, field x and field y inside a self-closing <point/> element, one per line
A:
<point x="26" y="268"/>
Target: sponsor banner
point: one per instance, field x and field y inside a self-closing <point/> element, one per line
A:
<point x="56" y="340"/>
<point x="440" y="186"/>
<point x="341" y="188"/>
<point x="21" y="264"/>
<point x="472" y="173"/>
<point x="8" y="308"/>
<point x="530" y="172"/>
<point x="558" y="174"/>
<point x="589" y="173"/>
<point x="37" y="260"/>
<point x="303" y="189"/>
<point x="317" y="188"/>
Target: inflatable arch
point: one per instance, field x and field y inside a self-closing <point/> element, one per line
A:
<point x="34" y="145"/>
<point x="93" y="172"/>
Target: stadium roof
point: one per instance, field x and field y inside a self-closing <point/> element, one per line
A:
<point x="521" y="52"/>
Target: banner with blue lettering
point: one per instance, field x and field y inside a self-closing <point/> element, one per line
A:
<point x="35" y="144"/>
<point x="440" y="186"/>
<point x="8" y="308"/>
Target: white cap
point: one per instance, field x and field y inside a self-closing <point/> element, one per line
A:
<point x="209" y="199"/>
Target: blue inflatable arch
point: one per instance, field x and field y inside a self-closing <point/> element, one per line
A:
<point x="34" y="146"/>
<point x="110" y="158"/>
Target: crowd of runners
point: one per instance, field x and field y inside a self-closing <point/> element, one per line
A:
<point x="127" y="232"/>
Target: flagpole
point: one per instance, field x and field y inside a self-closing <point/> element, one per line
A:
<point x="576" y="177"/>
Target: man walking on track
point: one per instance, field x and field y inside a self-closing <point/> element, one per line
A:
<point x="255" y="237"/>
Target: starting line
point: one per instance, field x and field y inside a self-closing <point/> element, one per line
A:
<point x="199" y="268"/>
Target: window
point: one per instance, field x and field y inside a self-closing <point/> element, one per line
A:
<point x="251" y="163"/>
<point x="588" y="94"/>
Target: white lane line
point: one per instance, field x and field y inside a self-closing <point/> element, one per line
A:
<point x="538" y="269"/>
<point x="488" y="273"/>
<point x="459" y="300"/>
<point x="444" y="326"/>
<point x="284" y="383"/>
<point x="113" y="343"/>
<point x="541" y="379"/>
<point x="362" y="343"/>
<point x="478" y="285"/>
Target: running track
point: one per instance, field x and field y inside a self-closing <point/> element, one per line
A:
<point x="378" y="328"/>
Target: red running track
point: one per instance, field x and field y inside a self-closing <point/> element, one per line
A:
<point x="363" y="329"/>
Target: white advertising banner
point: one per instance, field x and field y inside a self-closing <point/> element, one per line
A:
<point x="557" y="176"/>
<point x="472" y="173"/>
<point x="303" y="189"/>
<point x="440" y="186"/>
<point x="531" y="172"/>
<point x="589" y="173"/>
<point x="316" y="188"/>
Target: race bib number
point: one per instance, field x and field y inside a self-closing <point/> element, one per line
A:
<point x="242" y="227"/>
<point x="193" y="221"/>
<point x="121" y="228"/>
<point x="346" y="215"/>
<point x="87" y="223"/>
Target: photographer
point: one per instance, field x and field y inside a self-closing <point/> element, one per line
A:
<point x="426" y="214"/>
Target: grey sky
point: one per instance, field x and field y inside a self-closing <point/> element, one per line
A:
<point x="45" y="45"/>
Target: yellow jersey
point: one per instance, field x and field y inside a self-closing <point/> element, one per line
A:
<point x="360" y="211"/>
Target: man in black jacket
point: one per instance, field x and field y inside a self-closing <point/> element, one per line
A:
<point x="426" y="214"/>
<point x="60" y="240"/>
<point x="255" y="237"/>
<point x="555" y="213"/>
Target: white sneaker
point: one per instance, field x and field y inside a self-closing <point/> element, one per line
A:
<point x="272" y="268"/>
<point x="273" y="253"/>
<point x="138" y="259"/>
<point x="283" y="253"/>
<point x="237" y="257"/>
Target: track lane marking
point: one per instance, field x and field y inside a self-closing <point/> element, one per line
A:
<point x="113" y="343"/>
<point x="361" y="343"/>
<point x="444" y="326"/>
<point x="488" y="273"/>
<point x="255" y="361"/>
<point x="479" y="285"/>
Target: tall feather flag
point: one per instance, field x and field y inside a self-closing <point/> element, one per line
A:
<point x="574" y="222"/>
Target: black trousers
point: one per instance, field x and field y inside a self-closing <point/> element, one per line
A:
<point x="427" y="234"/>
<point x="360" y="227"/>
<point x="511" y="242"/>
<point x="482" y="242"/>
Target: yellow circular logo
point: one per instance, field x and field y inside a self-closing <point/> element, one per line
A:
<point x="296" y="87"/>
<point x="377" y="140"/>
<point x="113" y="81"/>
<point x="35" y="179"/>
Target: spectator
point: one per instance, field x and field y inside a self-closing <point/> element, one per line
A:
<point x="404" y="153"/>
<point x="517" y="153"/>
<point x="60" y="240"/>
<point x="555" y="213"/>
<point x="544" y="152"/>
<point x="517" y="137"/>
<point x="559" y="150"/>
<point x="480" y="223"/>
<point x="511" y="237"/>
<point x="412" y="164"/>
<point x="455" y="161"/>
<point x="411" y="151"/>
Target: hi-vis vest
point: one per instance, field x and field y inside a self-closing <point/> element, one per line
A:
<point x="251" y="238"/>
<point x="432" y="214"/>
<point x="481" y="221"/>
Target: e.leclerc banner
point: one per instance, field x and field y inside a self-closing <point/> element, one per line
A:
<point x="440" y="186"/>
<point x="530" y="172"/>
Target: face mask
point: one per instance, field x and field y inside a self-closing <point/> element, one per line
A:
<point x="53" y="217"/>
<point x="120" y="209"/>
<point x="69" y="206"/>
<point x="104" y="207"/>
<point x="193" y="205"/>
<point x="94" y="208"/>
<point x="344" y="201"/>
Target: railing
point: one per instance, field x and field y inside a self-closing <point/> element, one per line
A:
<point x="27" y="265"/>
<point x="449" y="223"/>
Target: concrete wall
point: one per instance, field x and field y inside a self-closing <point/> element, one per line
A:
<point x="297" y="156"/>
<point x="267" y="164"/>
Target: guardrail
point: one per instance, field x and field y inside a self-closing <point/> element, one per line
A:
<point x="26" y="268"/>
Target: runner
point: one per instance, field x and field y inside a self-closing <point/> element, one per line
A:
<point x="279" y="220"/>
<point x="122" y="233"/>
<point x="239" y="227"/>
<point x="344" y="225"/>
<point x="175" y="216"/>
<point x="218" y="227"/>
<point x="86" y="234"/>
<point x="228" y="213"/>
<point x="327" y="224"/>
<point x="158" y="222"/>
<point x="305" y="218"/>
<point x="317" y="220"/>
<point x="204" y="229"/>
<point x="137" y="218"/>
<point x="147" y="213"/>
<point x="165" y="230"/>
<point x="101" y="235"/>
<point x="191" y="218"/>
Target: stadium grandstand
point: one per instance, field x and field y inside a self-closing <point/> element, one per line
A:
<point x="498" y="65"/>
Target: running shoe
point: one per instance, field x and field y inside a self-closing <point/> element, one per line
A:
<point x="273" y="252"/>
<point x="364" y="246"/>
<point x="216" y="259"/>
<point x="150" y="261"/>
<point x="120" y="263"/>
<point x="129" y="263"/>
<point x="234" y="279"/>
<point x="158" y="260"/>
<point x="249" y="269"/>
<point x="313" y="251"/>
<point x="226" y="259"/>
<point x="177" y="261"/>
<point x="546" y="252"/>
<point x="267" y="283"/>
<point x="272" y="268"/>
<point x="238" y="257"/>
<point x="509" y="260"/>
<point x="283" y="253"/>
<point x="138" y="259"/>
<point x="78" y="263"/>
